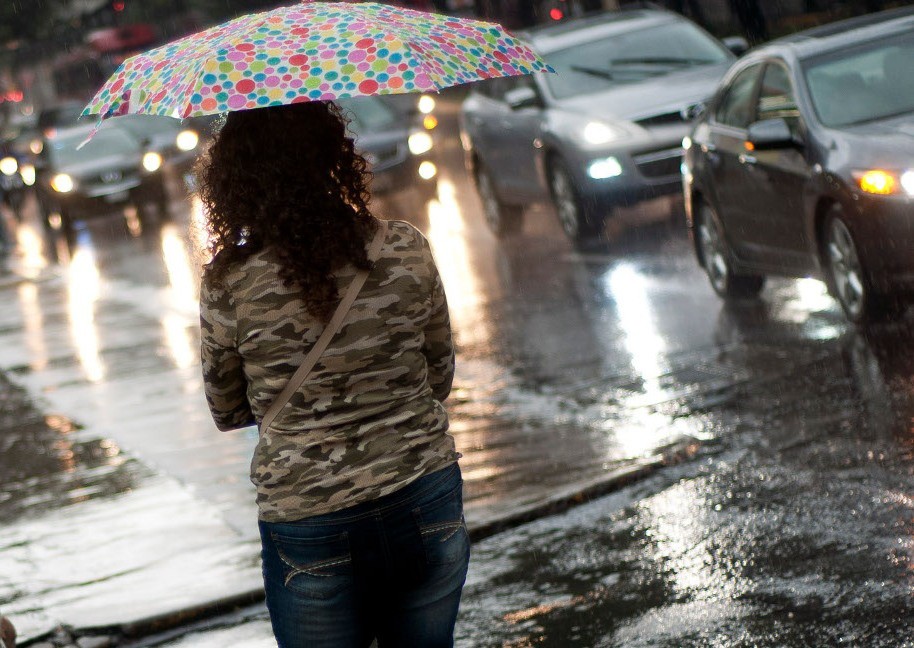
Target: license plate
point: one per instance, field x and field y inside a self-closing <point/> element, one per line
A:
<point x="117" y="196"/>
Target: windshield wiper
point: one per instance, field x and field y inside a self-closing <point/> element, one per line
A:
<point x="597" y="72"/>
<point x="660" y="60"/>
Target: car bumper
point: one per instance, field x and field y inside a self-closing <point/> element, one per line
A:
<point x="86" y="204"/>
<point x="884" y="229"/>
<point x="646" y="169"/>
<point x="405" y="175"/>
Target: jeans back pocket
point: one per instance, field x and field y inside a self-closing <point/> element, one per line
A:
<point x="317" y="567"/>
<point x="443" y="528"/>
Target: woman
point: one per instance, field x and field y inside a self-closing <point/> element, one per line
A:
<point x="358" y="489"/>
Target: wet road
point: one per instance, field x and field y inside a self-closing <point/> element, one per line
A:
<point x="571" y="365"/>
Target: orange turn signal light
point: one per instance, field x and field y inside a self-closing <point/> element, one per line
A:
<point x="749" y="145"/>
<point x="877" y="181"/>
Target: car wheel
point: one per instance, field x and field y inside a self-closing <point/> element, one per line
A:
<point x="503" y="220"/>
<point x="847" y="278"/>
<point x="716" y="259"/>
<point x="578" y="222"/>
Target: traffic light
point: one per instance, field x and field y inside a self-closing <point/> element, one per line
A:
<point x="556" y="10"/>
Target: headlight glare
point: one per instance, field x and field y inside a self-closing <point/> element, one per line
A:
<point x="907" y="182"/>
<point x="187" y="140"/>
<point x="8" y="166"/>
<point x="597" y="133"/>
<point x="420" y="143"/>
<point x="426" y="104"/>
<point x="604" y="168"/>
<point x="62" y="183"/>
<point x="427" y="170"/>
<point x="28" y="174"/>
<point x="152" y="161"/>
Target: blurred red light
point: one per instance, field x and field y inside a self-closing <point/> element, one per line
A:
<point x="556" y="13"/>
<point x="118" y="6"/>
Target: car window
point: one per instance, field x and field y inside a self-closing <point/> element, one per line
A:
<point x="64" y="150"/>
<point x="777" y="97"/>
<point x="368" y="113"/>
<point x="736" y="107"/>
<point x="866" y="83"/>
<point x="631" y="57"/>
<point x="148" y="125"/>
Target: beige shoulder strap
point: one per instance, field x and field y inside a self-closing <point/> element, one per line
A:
<point x="329" y="332"/>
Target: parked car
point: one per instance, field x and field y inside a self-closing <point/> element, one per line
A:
<point x="803" y="165"/>
<point x="111" y="171"/>
<point x="606" y="130"/>
<point x="399" y="150"/>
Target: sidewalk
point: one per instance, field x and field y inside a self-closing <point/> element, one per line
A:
<point x="98" y="543"/>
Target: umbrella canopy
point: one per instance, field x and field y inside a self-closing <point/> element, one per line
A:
<point x="310" y="52"/>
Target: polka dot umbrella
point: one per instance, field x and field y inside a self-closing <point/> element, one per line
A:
<point x="309" y="52"/>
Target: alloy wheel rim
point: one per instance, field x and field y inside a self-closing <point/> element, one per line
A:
<point x="847" y="272"/>
<point x="565" y="202"/>
<point x="715" y="261"/>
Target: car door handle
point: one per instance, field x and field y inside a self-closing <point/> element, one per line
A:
<point x="747" y="159"/>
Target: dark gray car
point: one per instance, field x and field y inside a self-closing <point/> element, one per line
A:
<point x="606" y="130"/>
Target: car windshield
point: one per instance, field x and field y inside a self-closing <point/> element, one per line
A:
<point x="865" y="83"/>
<point x="148" y="125"/>
<point x="110" y="141"/>
<point x="368" y="113"/>
<point x="630" y="57"/>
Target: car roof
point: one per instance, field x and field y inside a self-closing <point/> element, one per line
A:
<point x="568" y="33"/>
<point x="844" y="34"/>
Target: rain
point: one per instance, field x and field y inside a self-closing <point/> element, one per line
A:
<point x="678" y="281"/>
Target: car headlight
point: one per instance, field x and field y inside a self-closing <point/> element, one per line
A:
<point x="62" y="183"/>
<point x="420" y="143"/>
<point x="187" y="140"/>
<point x="907" y="182"/>
<point x="885" y="183"/>
<point x="596" y="133"/>
<point x="604" y="168"/>
<point x="152" y="161"/>
<point x="428" y="170"/>
<point x="426" y="104"/>
<point x="28" y="174"/>
<point x="8" y="166"/>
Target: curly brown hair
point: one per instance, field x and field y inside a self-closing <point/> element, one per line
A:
<point x="288" y="178"/>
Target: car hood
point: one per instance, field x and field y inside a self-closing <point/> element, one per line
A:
<point x="893" y="136"/>
<point x="97" y="166"/>
<point x="652" y="97"/>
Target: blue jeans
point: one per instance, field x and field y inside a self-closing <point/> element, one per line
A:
<point x="391" y="569"/>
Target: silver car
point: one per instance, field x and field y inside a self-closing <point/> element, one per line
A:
<point x="606" y="130"/>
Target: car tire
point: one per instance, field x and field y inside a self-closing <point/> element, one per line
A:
<point x="847" y="278"/>
<point x="503" y="220"/>
<point x="47" y="207"/>
<point x="715" y="254"/>
<point x="579" y="221"/>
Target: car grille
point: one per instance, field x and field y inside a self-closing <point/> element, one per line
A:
<point x="113" y="176"/>
<point x="384" y="157"/>
<point x="660" y="164"/>
<point x="663" y="119"/>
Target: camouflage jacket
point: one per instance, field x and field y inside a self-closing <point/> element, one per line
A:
<point x="368" y="420"/>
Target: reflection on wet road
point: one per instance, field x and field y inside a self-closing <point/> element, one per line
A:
<point x="796" y="531"/>
<point x="571" y="366"/>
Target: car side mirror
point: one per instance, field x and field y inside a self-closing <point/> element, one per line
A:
<point x="770" y="134"/>
<point x="736" y="44"/>
<point x="521" y="98"/>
